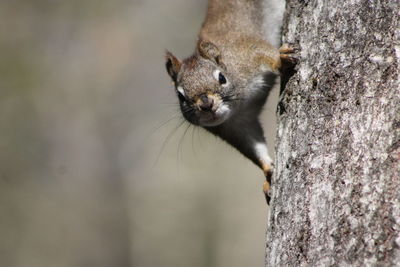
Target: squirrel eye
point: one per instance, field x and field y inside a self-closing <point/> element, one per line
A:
<point x="221" y="78"/>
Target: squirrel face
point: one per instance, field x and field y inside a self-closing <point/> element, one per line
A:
<point x="203" y="86"/>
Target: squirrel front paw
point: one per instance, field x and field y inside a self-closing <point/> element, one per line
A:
<point x="268" y="171"/>
<point x="266" y="189"/>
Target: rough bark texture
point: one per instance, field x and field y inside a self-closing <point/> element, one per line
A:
<point x="336" y="190"/>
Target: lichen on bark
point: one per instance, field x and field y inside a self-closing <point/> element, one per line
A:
<point x="336" y="189"/>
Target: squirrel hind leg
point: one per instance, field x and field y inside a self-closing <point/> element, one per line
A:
<point x="288" y="56"/>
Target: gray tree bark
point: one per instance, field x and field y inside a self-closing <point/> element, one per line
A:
<point x="336" y="190"/>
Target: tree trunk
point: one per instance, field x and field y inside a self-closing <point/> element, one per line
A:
<point x="336" y="190"/>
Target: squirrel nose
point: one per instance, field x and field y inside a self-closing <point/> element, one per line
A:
<point x="206" y="103"/>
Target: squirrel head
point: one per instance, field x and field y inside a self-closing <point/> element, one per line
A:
<point x="203" y="85"/>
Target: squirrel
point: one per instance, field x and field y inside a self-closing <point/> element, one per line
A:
<point x="223" y="86"/>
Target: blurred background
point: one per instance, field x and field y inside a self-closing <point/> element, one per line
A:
<point x="96" y="168"/>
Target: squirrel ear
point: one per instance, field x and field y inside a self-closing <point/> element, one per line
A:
<point x="209" y="51"/>
<point x="173" y="65"/>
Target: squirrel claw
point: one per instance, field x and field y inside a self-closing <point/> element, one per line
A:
<point x="267" y="184"/>
<point x="266" y="189"/>
<point x="288" y="49"/>
<point x="289" y="56"/>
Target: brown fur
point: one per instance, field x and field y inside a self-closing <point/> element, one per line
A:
<point x="231" y="43"/>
